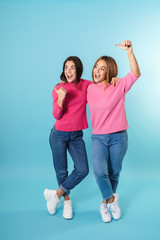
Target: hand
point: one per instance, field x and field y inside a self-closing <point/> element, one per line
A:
<point x="126" y="46"/>
<point x="61" y="93"/>
<point x="114" y="81"/>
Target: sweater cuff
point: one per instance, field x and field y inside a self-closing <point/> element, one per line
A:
<point x="134" y="76"/>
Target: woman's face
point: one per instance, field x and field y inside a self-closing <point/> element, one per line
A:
<point x="99" y="72"/>
<point x="70" y="71"/>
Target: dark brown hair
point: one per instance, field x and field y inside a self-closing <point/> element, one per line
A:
<point x="111" y="71"/>
<point x="78" y="66"/>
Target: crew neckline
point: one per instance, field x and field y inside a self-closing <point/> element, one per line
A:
<point x="71" y="83"/>
<point x="102" y="84"/>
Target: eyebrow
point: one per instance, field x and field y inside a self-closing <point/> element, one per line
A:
<point x="101" y="66"/>
<point x="71" y="65"/>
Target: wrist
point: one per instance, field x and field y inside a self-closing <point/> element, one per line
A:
<point x="60" y="102"/>
<point x="60" y="99"/>
<point x="130" y="52"/>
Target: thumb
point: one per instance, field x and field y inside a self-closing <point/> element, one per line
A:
<point x="117" y="44"/>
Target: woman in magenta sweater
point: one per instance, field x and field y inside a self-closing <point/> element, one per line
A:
<point x="69" y="110"/>
<point x="108" y="118"/>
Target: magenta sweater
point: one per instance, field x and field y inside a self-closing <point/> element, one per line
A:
<point x="72" y="116"/>
<point x="107" y="108"/>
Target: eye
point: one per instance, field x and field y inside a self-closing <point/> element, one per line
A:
<point x="73" y="68"/>
<point x="103" y="69"/>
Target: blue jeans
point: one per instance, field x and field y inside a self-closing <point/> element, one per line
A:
<point x="108" y="151"/>
<point x="60" y="142"/>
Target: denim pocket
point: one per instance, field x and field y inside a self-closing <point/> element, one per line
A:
<point x="121" y="137"/>
<point x="51" y="134"/>
<point x="77" y="134"/>
<point x="54" y="128"/>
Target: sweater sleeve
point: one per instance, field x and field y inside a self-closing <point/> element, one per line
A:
<point x="57" y="111"/>
<point x="128" y="81"/>
<point x="88" y="84"/>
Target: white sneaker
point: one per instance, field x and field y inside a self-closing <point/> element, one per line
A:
<point x="106" y="216"/>
<point x="67" y="209"/>
<point x="114" y="207"/>
<point x="52" y="200"/>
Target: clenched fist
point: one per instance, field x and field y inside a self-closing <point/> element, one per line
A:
<point x="61" y="93"/>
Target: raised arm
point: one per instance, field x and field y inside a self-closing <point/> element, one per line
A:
<point x="127" y="46"/>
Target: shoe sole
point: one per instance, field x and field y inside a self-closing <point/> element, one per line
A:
<point x="50" y="210"/>
<point x="109" y="220"/>
<point x="68" y="218"/>
<point x="47" y="194"/>
<point x="115" y="218"/>
<point x="48" y="198"/>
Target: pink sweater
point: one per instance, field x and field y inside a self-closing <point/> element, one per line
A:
<point x="72" y="116"/>
<point x="107" y="108"/>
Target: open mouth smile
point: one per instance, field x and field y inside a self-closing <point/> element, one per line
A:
<point x="97" y="76"/>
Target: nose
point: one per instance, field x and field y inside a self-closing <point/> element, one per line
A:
<point x="97" y="70"/>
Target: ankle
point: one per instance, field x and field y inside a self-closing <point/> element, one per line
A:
<point x="111" y="199"/>
<point x="66" y="198"/>
<point x="60" y="193"/>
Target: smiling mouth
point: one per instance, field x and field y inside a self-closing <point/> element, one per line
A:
<point x="69" y="77"/>
<point x="97" y="76"/>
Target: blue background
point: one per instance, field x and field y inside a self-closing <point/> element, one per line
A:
<point x="35" y="39"/>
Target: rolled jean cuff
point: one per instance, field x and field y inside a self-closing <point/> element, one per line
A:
<point x="106" y="199"/>
<point x="67" y="192"/>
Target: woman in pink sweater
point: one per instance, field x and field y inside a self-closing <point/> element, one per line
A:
<point x="69" y="110"/>
<point x="108" y="118"/>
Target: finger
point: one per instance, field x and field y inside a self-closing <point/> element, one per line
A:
<point x="112" y="82"/>
<point x="119" y="45"/>
<point x="63" y="89"/>
<point x="117" y="81"/>
<point x="128" y="43"/>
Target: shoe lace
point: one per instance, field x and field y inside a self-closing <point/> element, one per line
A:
<point x="67" y="203"/>
<point x="113" y="208"/>
<point x="104" y="206"/>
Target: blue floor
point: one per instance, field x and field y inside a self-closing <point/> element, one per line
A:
<point x="23" y="213"/>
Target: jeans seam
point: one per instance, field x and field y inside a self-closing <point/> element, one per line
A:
<point x="78" y="164"/>
<point x="51" y="134"/>
<point x="77" y="158"/>
<point x="63" y="188"/>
